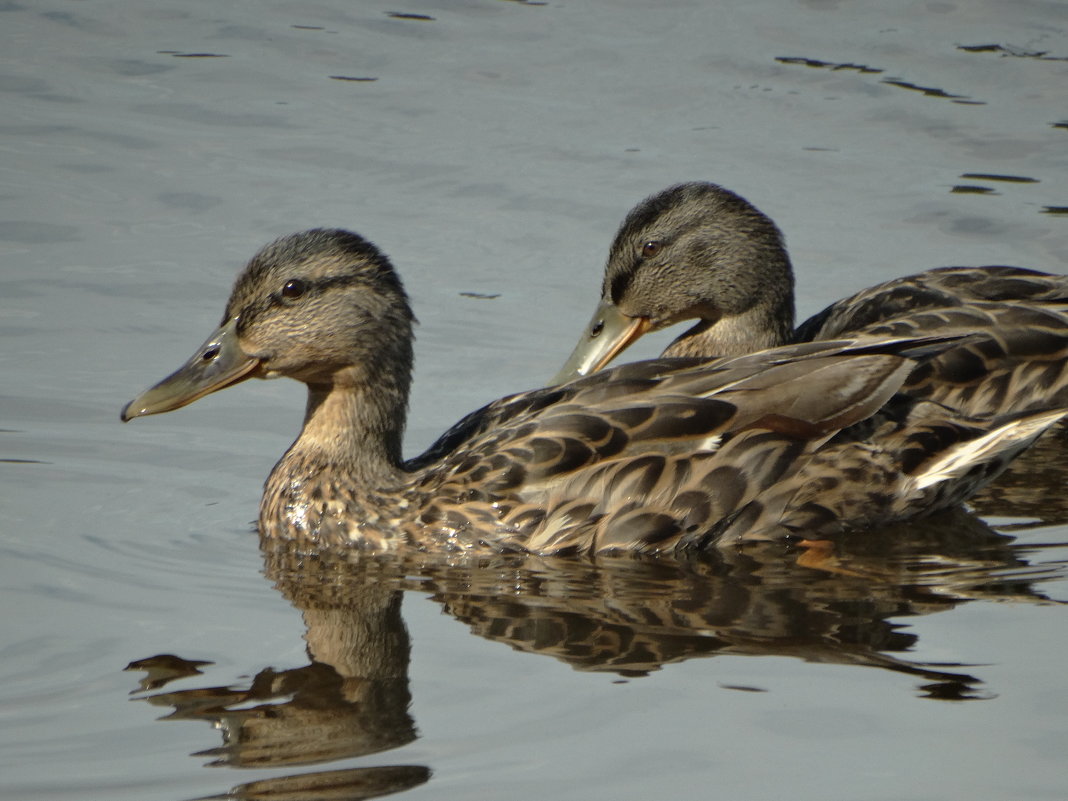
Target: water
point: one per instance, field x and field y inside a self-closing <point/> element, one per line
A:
<point x="149" y="149"/>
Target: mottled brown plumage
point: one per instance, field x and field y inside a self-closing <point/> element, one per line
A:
<point x="660" y="456"/>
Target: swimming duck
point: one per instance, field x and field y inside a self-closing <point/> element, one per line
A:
<point x="658" y="456"/>
<point x="698" y="251"/>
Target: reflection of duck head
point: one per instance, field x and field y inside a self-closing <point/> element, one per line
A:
<point x="351" y="700"/>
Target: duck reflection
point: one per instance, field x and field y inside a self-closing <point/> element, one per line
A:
<point x="842" y="604"/>
<point x="351" y="699"/>
<point x="838" y="605"/>
<point x="1032" y="487"/>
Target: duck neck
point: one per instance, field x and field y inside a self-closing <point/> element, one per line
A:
<point x="354" y="428"/>
<point x="765" y="325"/>
<point x="334" y="483"/>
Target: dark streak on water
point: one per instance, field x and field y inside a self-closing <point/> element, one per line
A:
<point x="402" y="15"/>
<point x="1013" y="179"/>
<point x="816" y="63"/>
<point x="929" y="91"/>
<point x="1009" y="50"/>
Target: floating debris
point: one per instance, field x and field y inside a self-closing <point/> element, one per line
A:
<point x="355" y="78"/>
<point x="402" y="15"/>
<point x="177" y="54"/>
<point x="1061" y="124"/>
<point x="1055" y="210"/>
<point x="308" y="27"/>
<point x="479" y="295"/>
<point x="986" y="176"/>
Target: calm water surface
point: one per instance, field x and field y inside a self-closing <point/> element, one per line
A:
<point x="491" y="148"/>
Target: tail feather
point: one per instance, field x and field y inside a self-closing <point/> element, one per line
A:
<point x="1001" y="444"/>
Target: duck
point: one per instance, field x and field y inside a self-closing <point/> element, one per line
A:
<point x="699" y="252"/>
<point x="663" y="457"/>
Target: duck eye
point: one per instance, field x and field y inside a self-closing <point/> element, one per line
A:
<point x="294" y="288"/>
<point x="650" y="248"/>
<point x="596" y="329"/>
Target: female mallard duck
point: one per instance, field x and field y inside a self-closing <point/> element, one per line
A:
<point x="659" y="456"/>
<point x="697" y="251"/>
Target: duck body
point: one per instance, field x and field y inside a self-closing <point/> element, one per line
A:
<point x="664" y="456"/>
<point x="938" y="288"/>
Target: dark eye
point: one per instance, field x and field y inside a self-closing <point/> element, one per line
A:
<point x="293" y="289"/>
<point x="650" y="248"/>
<point x="596" y="329"/>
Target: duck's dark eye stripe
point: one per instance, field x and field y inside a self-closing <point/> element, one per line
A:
<point x="298" y="287"/>
<point x="336" y="280"/>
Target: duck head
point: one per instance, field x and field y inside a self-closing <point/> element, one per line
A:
<point x="324" y="307"/>
<point x="694" y="251"/>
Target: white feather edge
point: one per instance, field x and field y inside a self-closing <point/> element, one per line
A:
<point x="1017" y="434"/>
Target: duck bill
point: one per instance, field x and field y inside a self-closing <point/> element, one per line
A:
<point x="608" y="334"/>
<point x="217" y="364"/>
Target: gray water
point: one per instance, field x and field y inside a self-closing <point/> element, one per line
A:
<point x="491" y="147"/>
